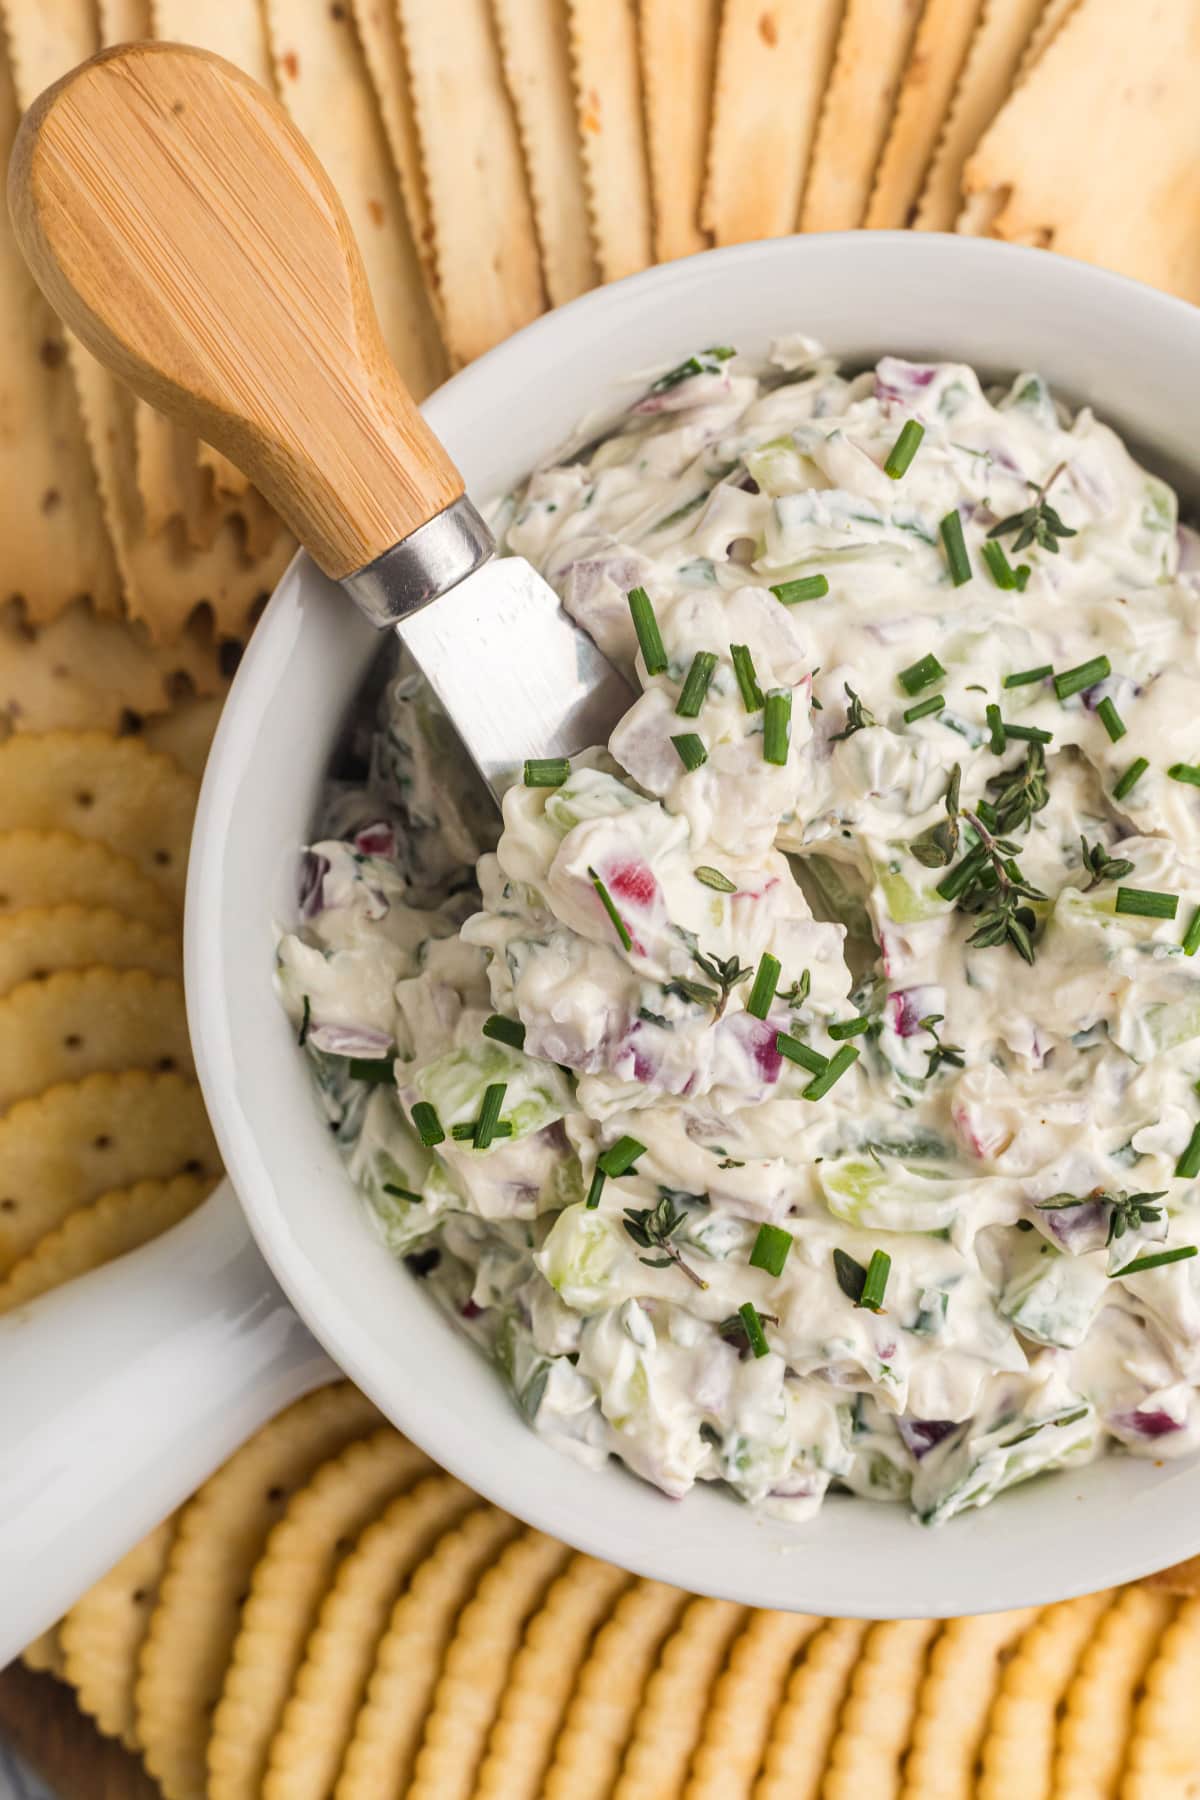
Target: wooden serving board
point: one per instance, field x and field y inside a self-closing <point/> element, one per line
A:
<point x="39" y="1718"/>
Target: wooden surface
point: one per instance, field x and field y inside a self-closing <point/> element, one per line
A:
<point x="39" y="1718"/>
<point x="181" y="226"/>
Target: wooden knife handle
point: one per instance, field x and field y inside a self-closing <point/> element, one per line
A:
<point x="185" y="231"/>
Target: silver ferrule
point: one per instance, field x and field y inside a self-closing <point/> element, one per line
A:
<point x="423" y="566"/>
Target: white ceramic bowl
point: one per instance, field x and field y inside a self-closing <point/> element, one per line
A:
<point x="1135" y="356"/>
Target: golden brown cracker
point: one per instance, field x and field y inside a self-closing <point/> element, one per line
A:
<point x="479" y="1657"/>
<point x="75" y="1142"/>
<point x="290" y="1580"/>
<point x="671" y="1717"/>
<point x="608" y="105"/>
<point x="221" y="1534"/>
<point x="1182" y="1578"/>
<point x="773" y="62"/>
<point x="872" y="54"/>
<point x="806" y="1723"/>
<point x="930" y="78"/>
<point x="103" y="1633"/>
<point x="1097" y="1713"/>
<point x="112" y="789"/>
<point x="39" y="940"/>
<point x="185" y="733"/>
<point x="78" y="1022"/>
<point x="966" y="1665"/>
<point x="1053" y="17"/>
<point x="317" y="1723"/>
<point x="1164" y="1754"/>
<point x="543" y="1674"/>
<point x="536" y="56"/>
<point x="124" y="21"/>
<point x="877" y="1719"/>
<point x="409" y="1656"/>
<point x="43" y="868"/>
<point x="1017" y="1753"/>
<point x="109" y="1227"/>
<point x="678" y="41"/>
<point x="383" y="48"/>
<point x="744" y="1702"/>
<point x="45" y="1653"/>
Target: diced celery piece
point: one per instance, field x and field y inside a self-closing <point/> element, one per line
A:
<point x="584" y="1259"/>
<point x="1053" y="1298"/>
<point x="886" y="1196"/>
<point x="589" y="794"/>
<point x="906" y="904"/>
<point x="536" y="1092"/>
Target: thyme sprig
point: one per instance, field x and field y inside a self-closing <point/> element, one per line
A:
<point x="950" y="1054"/>
<point x="1128" y="1211"/>
<point x="1038" y="524"/>
<point x="989" y="882"/>
<point x="858" y="717"/>
<point x="1020" y="792"/>
<point x="1101" y="866"/>
<point x="652" y="1228"/>
<point x="937" y="847"/>
<point x="725" y="972"/>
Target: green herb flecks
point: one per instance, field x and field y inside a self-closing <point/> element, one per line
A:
<point x="835" y="1068"/>
<point x="427" y="1125"/>
<point x="1157" y="1260"/>
<point x="806" y="587"/>
<point x="1188" y="1166"/>
<point x="937" y="847"/>
<point x="1127" y="1212"/>
<point x="1101" y="866"/>
<point x="505" y="1031"/>
<point x="771" y="1248"/>
<point x="777" y="726"/>
<point x="704" y="362"/>
<point x="695" y="689"/>
<point x="373" y="1069"/>
<point x="863" y="1287"/>
<point x="857" y="717"/>
<point x="546" y="771"/>
<point x="904" y="449"/>
<point x="1020" y="793"/>
<point x="305" y="1022"/>
<point x="747" y="680"/>
<point x="1147" y="903"/>
<point x="1191" y="937"/>
<point x="1111" y="720"/>
<point x="801" y="1053"/>
<point x="713" y="878"/>
<point x="989" y="883"/>
<point x="949" y="1055"/>
<point x="921" y="674"/>
<point x="620" y="1157"/>
<point x="924" y="708"/>
<point x="1039" y="524"/>
<point x="725" y="973"/>
<point x="609" y="905"/>
<point x="653" y="1228"/>
<point x="766" y="981"/>
<point x="690" y="750"/>
<point x="1186" y="772"/>
<point x="649" y="637"/>
<point x="1084" y="676"/>
<point x="955" y="546"/>
<point x="1129" y="780"/>
<point x="1026" y="677"/>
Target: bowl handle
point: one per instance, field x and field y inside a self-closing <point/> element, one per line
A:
<point x="122" y="1391"/>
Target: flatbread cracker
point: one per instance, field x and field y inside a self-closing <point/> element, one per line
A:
<point x="185" y="733"/>
<point x="307" y="1750"/>
<point x="544" y="1671"/>
<point x="42" y="868"/>
<point x="1017" y="1754"/>
<point x="805" y="1724"/>
<point x="75" y="1142"/>
<point x="409" y="1656"/>
<point x="744" y="1702"/>
<point x="965" y="1668"/>
<point x="124" y="21"/>
<point x="222" y="1531"/>
<point x="676" y="1699"/>
<point x="78" y="1022"/>
<point x="1054" y="17"/>
<point x="1165" y="1752"/>
<point x="872" y="54"/>
<point x="39" y="940"/>
<point x="103" y="1633"/>
<point x="1097" y="1714"/>
<point x="873" y="1731"/>
<point x="290" y="1580"/>
<point x="933" y="72"/>
<point x="476" y="1668"/>
<point x="383" y="48"/>
<point x="113" y="789"/>
<point x="536" y="56"/>
<point x="111" y="1226"/>
<point x="45" y="1653"/>
<point x="772" y="65"/>
<point x="484" y="240"/>
<point x="1001" y="36"/>
<point x="608" y="105"/>
<point x="678" y="41"/>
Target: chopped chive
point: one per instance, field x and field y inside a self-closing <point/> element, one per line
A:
<point x="921" y="674"/>
<point x="747" y="680"/>
<point x="372" y="1068"/>
<point x="997" y="742"/>
<point x="468" y="1133"/>
<point x="1147" y="903"/>
<point x="692" y="694"/>
<point x="878" y="1270"/>
<point x="844" y="1059"/>
<point x="305" y="1021"/>
<point x="1022" y="573"/>
<point x="1083" y="676"/>
<point x="690" y="750"/>
<point x="798" y="1052"/>
<point x="596" y="1189"/>
<point x="1026" y="677"/>
<point x="807" y="587"/>
<point x="962" y="874"/>
<point x="620" y="1157"/>
<point x="999" y="567"/>
<point x="713" y="878"/>
<point x="1188" y="1166"/>
<point x="546" y="771"/>
<point x="1028" y="734"/>
<point x="955" y="545"/>
<point x="1188" y="772"/>
<point x="401" y="1193"/>
<point x="771" y="1248"/>
<point x="755" y="1334"/>
<point x="505" y="1031"/>
<point x="766" y="981"/>
<point x="777" y="726"/>
<point x="904" y="449"/>
<point x="606" y="900"/>
<point x="1191" y="937"/>
<point x="489" y="1113"/>
<point x="649" y="637"/>
<point x="1130" y="778"/>
<point x="1155" y="1261"/>
<point x="427" y="1125"/>
<point x="1111" y="719"/>
<point x="935" y="704"/>
<point x="848" y="1028"/>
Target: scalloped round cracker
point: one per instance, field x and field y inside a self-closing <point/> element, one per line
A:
<point x="671" y="1717"/>
<point x="46" y="868"/>
<point x="603" y="1709"/>
<point x="76" y="1142"/>
<point x="290" y="1581"/>
<point x="805" y="1724"/>
<point x="307" y="1750"/>
<point x="557" y="1640"/>
<point x="965" y="1668"/>
<point x="185" y="734"/>
<point x="1164" y="1754"/>
<point x="1097" y="1713"/>
<point x="105" y="1629"/>
<point x="40" y="940"/>
<point x="78" y="1022"/>
<point x="111" y="1226"/>
<point x="1017" y="1753"/>
<point x="743" y="1706"/>
<point x="873" y="1731"/>
<point x="473" y="1677"/>
<point x="408" y="1660"/>
<point x="111" y="789"/>
<point x="45" y="1653"/>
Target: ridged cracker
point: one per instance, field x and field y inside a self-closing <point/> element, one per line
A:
<point x="966" y="1666"/>
<point x="80" y="1022"/>
<point x="222" y="1531"/>
<point x="42" y="868"/>
<point x="41" y="939"/>
<point x="1017" y="1753"/>
<point x="934" y="69"/>
<point x="744" y="1703"/>
<point x="185" y="733"/>
<point x="45" y="1653"/>
<point x="608" y="107"/>
<point x="1097" y="1713"/>
<point x="103" y="1633"/>
<point x="671" y="1717"/>
<point x="678" y="40"/>
<point x="873" y="1731"/>
<point x="291" y="1578"/>
<point x="871" y="57"/>
<point x="805" y="1724"/>
<point x="1164" y="1754"/>
<point x="1054" y="16"/>
<point x="383" y="48"/>
<point x="1181" y="1578"/>
<point x="76" y="1142"/>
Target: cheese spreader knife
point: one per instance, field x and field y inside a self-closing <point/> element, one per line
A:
<point x="183" y="229"/>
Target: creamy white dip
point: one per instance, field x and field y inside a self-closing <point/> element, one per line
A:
<point x="973" y="1110"/>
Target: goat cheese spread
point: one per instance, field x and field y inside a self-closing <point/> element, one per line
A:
<point x="805" y="1096"/>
